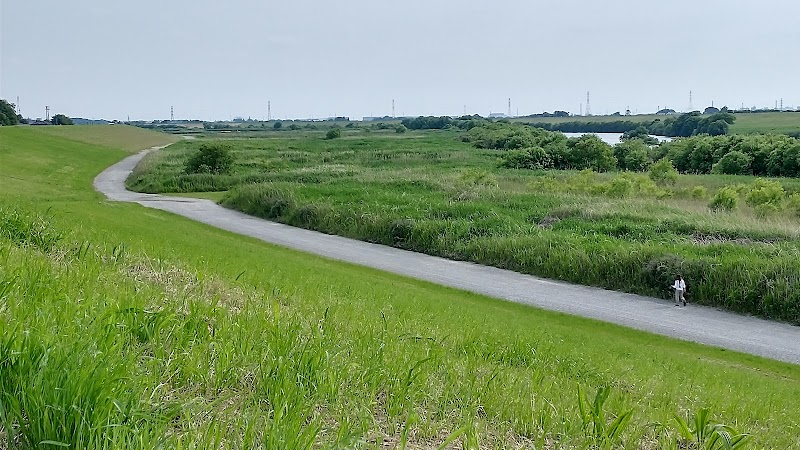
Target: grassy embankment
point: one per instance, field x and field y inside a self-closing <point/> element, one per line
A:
<point x="117" y="330"/>
<point x="746" y="123"/>
<point x="430" y="192"/>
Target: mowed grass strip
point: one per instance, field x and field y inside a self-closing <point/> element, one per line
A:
<point x="122" y="327"/>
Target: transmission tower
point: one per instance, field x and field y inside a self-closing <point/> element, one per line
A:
<point x="509" y="106"/>
<point x="393" y="109"/>
<point x="269" y="111"/>
<point x="588" y="105"/>
<point x="47" y="113"/>
<point x="171" y="113"/>
<point x="691" y="108"/>
<point x="18" y="110"/>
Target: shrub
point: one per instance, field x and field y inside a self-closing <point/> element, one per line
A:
<point x="333" y="133"/>
<point x="734" y="163"/>
<point x="212" y="157"/>
<point x="699" y="192"/>
<point x="590" y="152"/>
<point x="400" y="129"/>
<point x="725" y="199"/>
<point x="620" y="186"/>
<point x="277" y="125"/>
<point x="528" y="158"/>
<point x="663" y="172"/>
<point x="766" y="195"/>
<point x="794" y="203"/>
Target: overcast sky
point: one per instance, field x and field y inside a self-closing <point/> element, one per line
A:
<point x="315" y="58"/>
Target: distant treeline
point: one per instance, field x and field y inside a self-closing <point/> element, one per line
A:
<point x="685" y="125"/>
<point x="527" y="147"/>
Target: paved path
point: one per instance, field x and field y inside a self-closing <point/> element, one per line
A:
<point x="699" y="324"/>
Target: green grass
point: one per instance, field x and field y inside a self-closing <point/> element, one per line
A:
<point x="135" y="328"/>
<point x="432" y="193"/>
<point x="784" y="122"/>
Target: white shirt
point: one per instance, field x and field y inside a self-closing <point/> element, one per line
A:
<point x="683" y="285"/>
<point x="679" y="285"/>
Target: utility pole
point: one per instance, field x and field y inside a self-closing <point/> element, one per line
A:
<point x="47" y="113"/>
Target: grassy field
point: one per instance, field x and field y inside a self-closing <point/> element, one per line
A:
<point x="746" y="123"/>
<point x="117" y="330"/>
<point x="432" y="193"/>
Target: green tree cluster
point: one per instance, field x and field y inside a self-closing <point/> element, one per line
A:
<point x="8" y="113"/>
<point x="775" y="155"/>
<point x="61" y="119"/>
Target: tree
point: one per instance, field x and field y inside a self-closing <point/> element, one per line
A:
<point x="632" y="155"/>
<point x="277" y="125"/>
<point x="400" y="128"/>
<point x="640" y="133"/>
<point x="61" y="119"/>
<point x="8" y="114"/>
<point x="734" y="163"/>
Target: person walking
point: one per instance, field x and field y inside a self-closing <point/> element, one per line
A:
<point x="683" y="290"/>
<point x="678" y="286"/>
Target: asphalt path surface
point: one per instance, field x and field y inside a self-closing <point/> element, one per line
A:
<point x="693" y="323"/>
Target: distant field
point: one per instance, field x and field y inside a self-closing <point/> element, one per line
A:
<point x="783" y="122"/>
<point x="125" y="327"/>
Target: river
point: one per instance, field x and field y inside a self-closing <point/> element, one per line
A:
<point x="613" y="138"/>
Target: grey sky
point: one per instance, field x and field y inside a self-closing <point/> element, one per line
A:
<point x="315" y="58"/>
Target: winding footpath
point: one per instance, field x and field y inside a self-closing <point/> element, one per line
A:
<point x="694" y="323"/>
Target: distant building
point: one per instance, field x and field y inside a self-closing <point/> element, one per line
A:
<point x="498" y="116"/>
<point x="665" y="112"/>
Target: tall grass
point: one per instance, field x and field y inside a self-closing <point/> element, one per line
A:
<point x="436" y="195"/>
<point x="119" y="337"/>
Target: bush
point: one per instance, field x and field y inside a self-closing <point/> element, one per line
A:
<point x="333" y="133"/>
<point x="277" y="125"/>
<point x="590" y="152"/>
<point x="619" y="187"/>
<point x="400" y="129"/>
<point x="765" y="195"/>
<point x="530" y="158"/>
<point x="726" y="199"/>
<point x="734" y="163"/>
<point x="794" y="203"/>
<point x="662" y="172"/>
<point x="699" y="192"/>
<point x="213" y="158"/>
